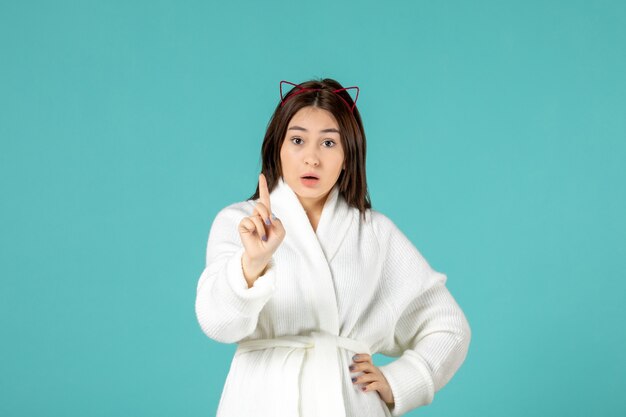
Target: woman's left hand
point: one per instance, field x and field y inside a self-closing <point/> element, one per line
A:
<point x="373" y="379"/>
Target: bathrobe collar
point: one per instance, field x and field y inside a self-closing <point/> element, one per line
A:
<point x="316" y="247"/>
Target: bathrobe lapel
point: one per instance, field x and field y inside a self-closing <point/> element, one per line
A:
<point x="316" y="249"/>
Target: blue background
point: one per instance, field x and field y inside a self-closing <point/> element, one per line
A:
<point x="496" y="141"/>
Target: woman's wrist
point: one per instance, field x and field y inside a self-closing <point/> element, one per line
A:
<point x="252" y="270"/>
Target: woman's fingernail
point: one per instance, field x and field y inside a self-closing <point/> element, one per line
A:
<point x="351" y="367"/>
<point x="273" y="216"/>
<point x="264" y="238"/>
<point x="267" y="221"/>
<point x="353" y="379"/>
<point x="355" y="357"/>
<point x="363" y="389"/>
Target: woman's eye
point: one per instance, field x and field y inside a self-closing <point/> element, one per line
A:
<point x="296" y="141"/>
<point x="329" y="143"/>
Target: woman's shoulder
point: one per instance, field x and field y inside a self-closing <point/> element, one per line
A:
<point x="379" y="221"/>
<point x="380" y="225"/>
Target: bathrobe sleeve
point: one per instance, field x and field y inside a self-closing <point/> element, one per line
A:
<point x="431" y="334"/>
<point x="226" y="308"/>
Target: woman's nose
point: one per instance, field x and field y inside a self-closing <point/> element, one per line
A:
<point x="312" y="159"/>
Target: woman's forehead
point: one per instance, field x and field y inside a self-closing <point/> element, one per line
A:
<point x="313" y="118"/>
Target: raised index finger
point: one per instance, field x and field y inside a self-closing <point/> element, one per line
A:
<point x="264" y="194"/>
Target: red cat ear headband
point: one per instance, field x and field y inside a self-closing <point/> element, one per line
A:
<point x="304" y="89"/>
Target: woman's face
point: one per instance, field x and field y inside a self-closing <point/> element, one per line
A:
<point x="312" y="147"/>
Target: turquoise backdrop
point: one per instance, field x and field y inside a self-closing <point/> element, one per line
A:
<point x="496" y="141"/>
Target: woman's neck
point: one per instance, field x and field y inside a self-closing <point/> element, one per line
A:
<point x="313" y="209"/>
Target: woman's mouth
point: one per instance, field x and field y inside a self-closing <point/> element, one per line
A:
<point x="309" y="180"/>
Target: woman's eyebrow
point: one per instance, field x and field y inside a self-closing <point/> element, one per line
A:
<point x="330" y="130"/>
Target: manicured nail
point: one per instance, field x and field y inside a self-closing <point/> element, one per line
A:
<point x="353" y="379"/>
<point x="267" y="221"/>
<point x="273" y="216"/>
<point x="363" y="389"/>
<point x="264" y="238"/>
<point x="351" y="367"/>
<point x="355" y="357"/>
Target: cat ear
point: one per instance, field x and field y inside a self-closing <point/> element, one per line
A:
<point x="354" y="99"/>
<point x="282" y="96"/>
<point x="298" y="86"/>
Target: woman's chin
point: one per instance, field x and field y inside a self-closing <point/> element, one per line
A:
<point x="310" y="194"/>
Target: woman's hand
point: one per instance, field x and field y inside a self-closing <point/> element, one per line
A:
<point x="261" y="234"/>
<point x="373" y="379"/>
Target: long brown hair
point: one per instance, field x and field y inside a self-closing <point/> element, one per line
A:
<point x="352" y="181"/>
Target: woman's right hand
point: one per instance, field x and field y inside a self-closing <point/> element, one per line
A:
<point x="259" y="239"/>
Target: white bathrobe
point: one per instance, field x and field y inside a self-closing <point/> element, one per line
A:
<point x="352" y="286"/>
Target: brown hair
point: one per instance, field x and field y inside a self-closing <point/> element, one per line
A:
<point x="352" y="181"/>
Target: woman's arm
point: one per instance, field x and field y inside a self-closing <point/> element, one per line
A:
<point x="431" y="333"/>
<point x="433" y="336"/>
<point x="226" y="308"/>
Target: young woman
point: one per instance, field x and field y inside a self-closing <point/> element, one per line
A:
<point x="310" y="281"/>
